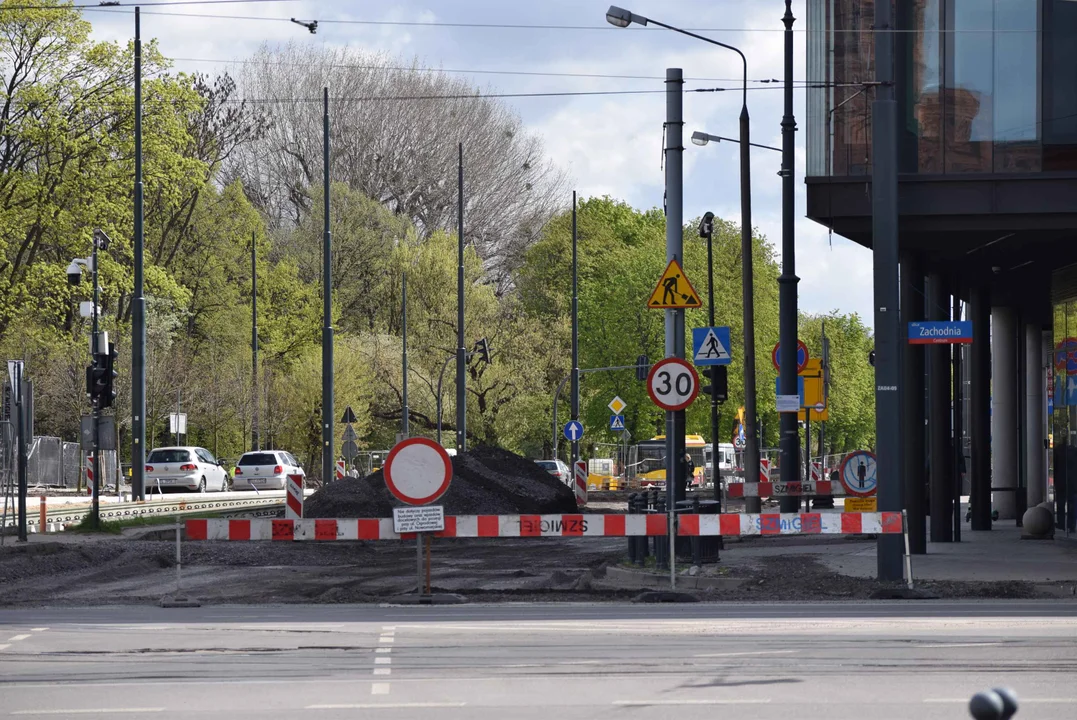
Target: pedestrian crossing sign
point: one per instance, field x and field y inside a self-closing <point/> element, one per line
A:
<point x="710" y="346"/>
<point x="617" y="423"/>
<point x="674" y="291"/>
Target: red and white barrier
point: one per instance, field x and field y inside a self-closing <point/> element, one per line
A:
<point x="816" y="472"/>
<point x="293" y="499"/>
<point x="580" y="483"/>
<point x="764" y="470"/>
<point x="340" y="470"/>
<point x="780" y="489"/>
<point x="518" y="526"/>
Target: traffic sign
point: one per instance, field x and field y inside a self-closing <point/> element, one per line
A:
<point x="940" y="332"/>
<point x="349" y="416"/>
<point x="859" y="474"/>
<point x="617" y="405"/>
<point x="417" y="471"/>
<point x="349" y="450"/>
<point x="802" y="356"/>
<point x="617" y="423"/>
<point x="674" y="291"/>
<point x="710" y="346"/>
<point x="573" y="430"/>
<point x="672" y="384"/>
<point x="349" y="434"/>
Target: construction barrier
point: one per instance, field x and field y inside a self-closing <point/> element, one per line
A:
<point x="293" y="500"/>
<point x="764" y="470"/>
<point x="580" y="483"/>
<point x="517" y="526"/>
<point x="780" y="489"/>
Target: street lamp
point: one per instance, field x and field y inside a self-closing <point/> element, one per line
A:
<point x="701" y="139"/>
<point x="623" y="18"/>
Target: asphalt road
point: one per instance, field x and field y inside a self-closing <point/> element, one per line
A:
<point x="839" y="662"/>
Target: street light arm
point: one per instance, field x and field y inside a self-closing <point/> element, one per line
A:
<point x="744" y="60"/>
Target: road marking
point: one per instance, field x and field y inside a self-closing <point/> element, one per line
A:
<point x="89" y="711"/>
<point x="38" y="629"/>
<point x="647" y="703"/>
<point x="388" y="628"/>
<point x="394" y="706"/>
<point x="383" y="661"/>
<point x="5" y="646"/>
<point x="379" y="689"/>
<point x="16" y="638"/>
<point x="383" y="650"/>
<point x="382" y="671"/>
<point x="741" y="654"/>
<point x="384" y="639"/>
<point x="958" y="645"/>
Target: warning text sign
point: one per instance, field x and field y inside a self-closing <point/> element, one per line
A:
<point x="425" y="518"/>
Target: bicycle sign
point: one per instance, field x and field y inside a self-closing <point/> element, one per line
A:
<point x="672" y="384"/>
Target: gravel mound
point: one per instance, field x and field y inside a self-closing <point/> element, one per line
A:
<point x="486" y="481"/>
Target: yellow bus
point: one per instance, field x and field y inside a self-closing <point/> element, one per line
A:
<point x="651" y="455"/>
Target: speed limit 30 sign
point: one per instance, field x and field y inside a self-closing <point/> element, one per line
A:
<point x="672" y="384"/>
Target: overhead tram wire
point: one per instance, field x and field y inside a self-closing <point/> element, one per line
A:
<point x="119" y="6"/>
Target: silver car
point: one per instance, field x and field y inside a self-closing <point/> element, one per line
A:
<point x="186" y="468"/>
<point x="265" y="469"/>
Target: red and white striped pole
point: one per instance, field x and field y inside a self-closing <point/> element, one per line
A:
<point x="293" y="502"/>
<point x="764" y="470"/>
<point x="580" y="483"/>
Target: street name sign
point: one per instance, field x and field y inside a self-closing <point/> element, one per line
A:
<point x="940" y="332"/>
<point x="672" y="384"/>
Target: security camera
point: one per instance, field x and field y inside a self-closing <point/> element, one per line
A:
<point x="101" y="239"/>
<point x="74" y="273"/>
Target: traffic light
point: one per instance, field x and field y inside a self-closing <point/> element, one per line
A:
<point x="483" y="350"/>
<point x="719" y="382"/>
<point x="108" y="394"/>
<point x="642" y="368"/>
<point x="871" y="358"/>
<point x="100" y="377"/>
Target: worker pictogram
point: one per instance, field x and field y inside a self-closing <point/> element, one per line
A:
<point x="674" y="291"/>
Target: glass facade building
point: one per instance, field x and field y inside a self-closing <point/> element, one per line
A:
<point x="984" y="86"/>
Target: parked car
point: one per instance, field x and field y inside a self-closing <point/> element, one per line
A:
<point x="185" y="468"/>
<point x="558" y="469"/>
<point x="265" y="469"/>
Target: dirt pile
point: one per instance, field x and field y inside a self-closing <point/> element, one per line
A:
<point x="486" y="481"/>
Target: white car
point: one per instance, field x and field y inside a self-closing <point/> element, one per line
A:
<point x="265" y="469"/>
<point x="558" y="469"/>
<point x="187" y="468"/>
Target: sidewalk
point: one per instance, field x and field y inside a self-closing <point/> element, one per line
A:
<point x="987" y="556"/>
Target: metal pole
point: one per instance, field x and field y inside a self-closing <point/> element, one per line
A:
<point x="807" y="459"/>
<point x="575" y="340"/>
<point x="327" y="308"/>
<point x="138" y="310"/>
<point x="255" y="444"/>
<point x="419" y="563"/>
<point x="884" y="190"/>
<point x="20" y="422"/>
<point x="958" y="395"/>
<point x="404" y="355"/>
<point x="441" y="379"/>
<point x="715" y="472"/>
<point x="789" y="443"/>
<point x="96" y="400"/>
<point x="461" y="350"/>
<point x="674" y="321"/>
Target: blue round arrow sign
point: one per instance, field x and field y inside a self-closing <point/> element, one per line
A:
<point x="573" y="430"/>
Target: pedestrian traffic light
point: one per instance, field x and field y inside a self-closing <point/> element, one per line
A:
<point x="719" y="382"/>
<point x="483" y="350"/>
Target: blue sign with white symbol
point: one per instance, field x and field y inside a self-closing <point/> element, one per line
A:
<point x="573" y="430"/>
<point x="710" y="346"/>
<point x="617" y="423"/>
<point x="935" y="332"/>
<point x="1071" y="390"/>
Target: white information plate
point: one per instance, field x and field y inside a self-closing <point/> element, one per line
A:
<point x="788" y="403"/>
<point x="424" y="518"/>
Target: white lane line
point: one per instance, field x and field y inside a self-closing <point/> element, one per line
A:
<point x="383" y="661"/>
<point x="38" y="629"/>
<point x="5" y="646"/>
<point x="1052" y="701"/>
<point x="957" y="645"/>
<point x="388" y="628"/>
<point x="382" y="671"/>
<point x="647" y="703"/>
<point x="16" y="638"/>
<point x="390" y="706"/>
<point x="742" y="654"/>
<point x="384" y="639"/>
<point x="379" y="689"/>
<point x="383" y="650"/>
<point x="89" y="711"/>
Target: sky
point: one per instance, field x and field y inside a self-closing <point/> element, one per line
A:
<point x="608" y="144"/>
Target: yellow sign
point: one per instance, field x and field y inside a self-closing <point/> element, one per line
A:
<point x="814" y="392"/>
<point x="674" y="291"/>
<point x="617" y="405"/>
<point x="861" y="504"/>
<point x="816" y="415"/>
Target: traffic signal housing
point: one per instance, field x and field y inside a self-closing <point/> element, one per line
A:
<point x="482" y="348"/>
<point x="100" y="378"/>
<point x="718" y="388"/>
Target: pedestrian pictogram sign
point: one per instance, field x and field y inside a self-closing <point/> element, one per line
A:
<point x="710" y="346"/>
<point x="674" y="291"/>
<point x="859" y="474"/>
<point x="617" y="423"/>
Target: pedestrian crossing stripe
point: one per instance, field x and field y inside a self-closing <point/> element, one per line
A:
<point x="674" y="290"/>
<point x="712" y="348"/>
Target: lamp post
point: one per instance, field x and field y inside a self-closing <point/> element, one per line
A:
<point x="702" y="138"/>
<point x="623" y="18"/>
